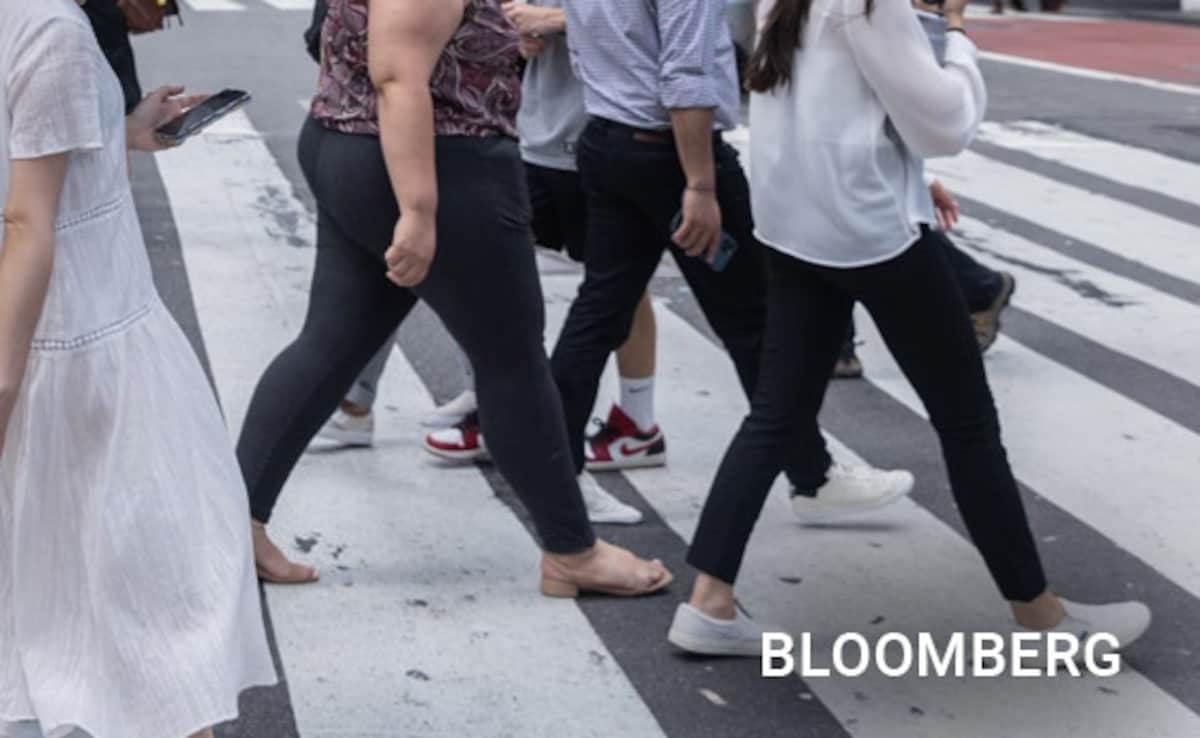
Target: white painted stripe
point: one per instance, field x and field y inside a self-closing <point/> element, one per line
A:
<point x="1128" y="165"/>
<point x="979" y="13"/>
<point x="1118" y="313"/>
<point x="1156" y="84"/>
<point x="1126" y="471"/>
<point x="1163" y="243"/>
<point x="290" y="4"/>
<point x="440" y="578"/>
<point x="205" y="6"/>
<point x="898" y="564"/>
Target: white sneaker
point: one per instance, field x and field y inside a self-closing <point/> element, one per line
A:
<point x="453" y="412"/>
<point x="850" y="491"/>
<point x="602" y="507"/>
<point x="1125" y="621"/>
<point x="345" y="429"/>
<point x="695" y="632"/>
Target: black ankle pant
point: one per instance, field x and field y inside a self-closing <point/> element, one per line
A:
<point x="923" y="319"/>
<point x="483" y="285"/>
<point x="634" y="183"/>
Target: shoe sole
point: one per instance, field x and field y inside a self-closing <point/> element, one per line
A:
<point x="808" y="518"/>
<point x="682" y="641"/>
<point x="644" y="462"/>
<point x="352" y="440"/>
<point x="459" y="457"/>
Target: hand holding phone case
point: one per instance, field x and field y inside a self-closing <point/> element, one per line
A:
<point x="725" y="251"/>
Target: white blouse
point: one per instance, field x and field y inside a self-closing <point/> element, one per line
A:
<point x="830" y="185"/>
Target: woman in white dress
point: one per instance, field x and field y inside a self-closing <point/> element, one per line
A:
<point x="128" y="601"/>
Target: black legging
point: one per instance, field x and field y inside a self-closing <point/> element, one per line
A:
<point x="483" y="284"/>
<point x="923" y="319"/>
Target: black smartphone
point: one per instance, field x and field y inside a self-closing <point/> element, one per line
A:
<point x="177" y="130"/>
<point x="725" y="251"/>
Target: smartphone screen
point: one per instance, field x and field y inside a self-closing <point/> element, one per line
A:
<point x="200" y="116"/>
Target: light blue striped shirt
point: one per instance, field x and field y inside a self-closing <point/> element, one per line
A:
<point x="639" y="59"/>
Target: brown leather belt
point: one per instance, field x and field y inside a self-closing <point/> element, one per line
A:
<point x="652" y="137"/>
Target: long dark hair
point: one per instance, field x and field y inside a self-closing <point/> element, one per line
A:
<point x="770" y="65"/>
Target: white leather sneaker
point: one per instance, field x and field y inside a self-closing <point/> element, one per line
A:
<point x="1125" y="621"/>
<point x="696" y="632"/>
<point x="602" y="507"/>
<point x="345" y="429"/>
<point x="850" y="491"/>
<point x="453" y="412"/>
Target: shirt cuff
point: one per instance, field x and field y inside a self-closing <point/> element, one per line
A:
<point x="688" y="91"/>
<point x="960" y="49"/>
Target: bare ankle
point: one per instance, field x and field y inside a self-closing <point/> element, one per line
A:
<point x="713" y="597"/>
<point x="1042" y="612"/>
<point x="578" y="558"/>
<point x="354" y="410"/>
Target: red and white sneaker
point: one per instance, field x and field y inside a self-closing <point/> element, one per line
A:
<point x="620" y="445"/>
<point x="462" y="443"/>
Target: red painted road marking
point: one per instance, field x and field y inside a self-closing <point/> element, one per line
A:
<point x="1155" y="50"/>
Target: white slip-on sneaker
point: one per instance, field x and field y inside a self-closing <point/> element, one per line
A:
<point x="850" y="491"/>
<point x="453" y="412"/>
<point x="345" y="429"/>
<point x="1125" y="621"/>
<point x="602" y="507"/>
<point x="696" y="632"/>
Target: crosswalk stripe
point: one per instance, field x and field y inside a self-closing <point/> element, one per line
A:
<point x="1024" y="61"/>
<point x="1118" y="313"/>
<point x="1161" y="243"/>
<point x="1130" y="165"/>
<point x="204" y="6"/>
<point x="414" y="636"/>
<point x="897" y="565"/>
<point x="1125" y="471"/>
<point x="290" y="4"/>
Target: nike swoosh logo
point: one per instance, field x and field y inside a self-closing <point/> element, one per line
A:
<point x="627" y="451"/>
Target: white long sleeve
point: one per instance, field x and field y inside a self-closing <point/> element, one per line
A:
<point x="831" y="183"/>
<point x="936" y="110"/>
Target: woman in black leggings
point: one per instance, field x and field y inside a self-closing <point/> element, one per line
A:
<point x="411" y="153"/>
<point x="844" y="208"/>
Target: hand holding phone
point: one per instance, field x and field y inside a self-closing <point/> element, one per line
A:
<point x="156" y="108"/>
<point x="195" y="119"/>
<point x="725" y="250"/>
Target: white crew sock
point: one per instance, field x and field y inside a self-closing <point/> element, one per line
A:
<point x="637" y="400"/>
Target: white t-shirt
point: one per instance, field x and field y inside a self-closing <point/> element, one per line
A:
<point x="49" y="93"/>
<point x="829" y="186"/>
<point x="58" y="95"/>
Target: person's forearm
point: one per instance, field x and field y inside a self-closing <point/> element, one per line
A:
<point x="25" y="266"/>
<point x="407" y="135"/>
<point x="693" y="140"/>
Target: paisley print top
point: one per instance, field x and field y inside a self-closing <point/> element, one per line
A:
<point x="476" y="84"/>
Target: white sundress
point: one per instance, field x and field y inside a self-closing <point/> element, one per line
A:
<point x="129" y="606"/>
